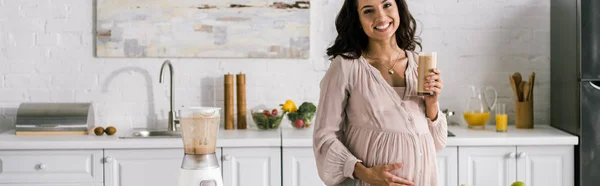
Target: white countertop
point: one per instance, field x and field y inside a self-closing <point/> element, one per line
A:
<point x="285" y="137"/>
<point x="227" y="138"/>
<point x="540" y="135"/>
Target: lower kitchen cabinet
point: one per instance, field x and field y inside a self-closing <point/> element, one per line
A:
<point x="274" y="166"/>
<point x="160" y="167"/>
<point x="51" y="167"/>
<point x="61" y="184"/>
<point x="152" y="167"/>
<point x="252" y="166"/>
<point x="299" y="167"/>
<point x="489" y="166"/>
<point x="447" y="166"/>
<point x="547" y="166"/>
<point x="501" y="166"/>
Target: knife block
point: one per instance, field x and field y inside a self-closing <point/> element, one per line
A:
<point x="524" y="114"/>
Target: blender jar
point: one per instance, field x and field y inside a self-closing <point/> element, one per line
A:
<point x="199" y="129"/>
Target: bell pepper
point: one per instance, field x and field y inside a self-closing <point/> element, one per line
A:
<point x="289" y="106"/>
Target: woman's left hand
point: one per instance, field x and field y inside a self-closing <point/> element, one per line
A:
<point x="435" y="84"/>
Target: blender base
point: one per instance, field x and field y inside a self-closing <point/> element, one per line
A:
<point x="200" y="177"/>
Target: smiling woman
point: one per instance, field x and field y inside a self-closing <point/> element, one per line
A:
<point x="352" y="38"/>
<point x="370" y="129"/>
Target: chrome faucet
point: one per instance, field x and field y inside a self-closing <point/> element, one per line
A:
<point x="171" y="125"/>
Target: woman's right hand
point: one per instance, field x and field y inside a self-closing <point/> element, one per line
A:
<point x="380" y="175"/>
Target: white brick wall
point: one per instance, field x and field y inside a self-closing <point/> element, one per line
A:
<point x="46" y="55"/>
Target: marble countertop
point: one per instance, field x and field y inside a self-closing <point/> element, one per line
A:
<point x="284" y="137"/>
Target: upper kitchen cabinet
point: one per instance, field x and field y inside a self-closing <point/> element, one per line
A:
<point x="260" y="166"/>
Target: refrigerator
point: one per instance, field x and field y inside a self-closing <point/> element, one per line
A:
<point x="575" y="81"/>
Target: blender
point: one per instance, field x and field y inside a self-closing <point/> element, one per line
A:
<point x="199" y="129"/>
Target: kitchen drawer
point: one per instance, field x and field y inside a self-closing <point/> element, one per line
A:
<point x="51" y="166"/>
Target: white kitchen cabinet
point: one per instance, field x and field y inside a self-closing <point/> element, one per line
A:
<point x="252" y="166"/>
<point x="150" y="167"/>
<point x="299" y="167"/>
<point x="61" y="184"/>
<point x="487" y="166"/>
<point x="59" y="167"/>
<point x="547" y="166"/>
<point x="503" y="165"/>
<point x="447" y="166"/>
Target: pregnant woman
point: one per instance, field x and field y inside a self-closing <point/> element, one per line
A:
<point x="371" y="128"/>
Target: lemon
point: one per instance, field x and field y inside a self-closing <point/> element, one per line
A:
<point x="518" y="183"/>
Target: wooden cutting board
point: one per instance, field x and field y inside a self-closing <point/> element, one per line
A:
<point x="41" y="133"/>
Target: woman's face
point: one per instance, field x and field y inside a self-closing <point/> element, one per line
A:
<point x="379" y="18"/>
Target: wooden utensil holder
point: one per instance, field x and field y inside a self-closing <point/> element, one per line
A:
<point x="524" y="114"/>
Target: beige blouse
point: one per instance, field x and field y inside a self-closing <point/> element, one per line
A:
<point x="361" y="118"/>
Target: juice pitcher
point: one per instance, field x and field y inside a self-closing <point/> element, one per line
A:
<point x="478" y="110"/>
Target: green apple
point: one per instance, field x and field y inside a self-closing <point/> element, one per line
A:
<point x="518" y="183"/>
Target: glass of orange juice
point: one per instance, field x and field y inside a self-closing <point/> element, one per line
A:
<point x="501" y="117"/>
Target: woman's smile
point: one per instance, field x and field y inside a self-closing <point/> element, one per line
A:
<point x="383" y="27"/>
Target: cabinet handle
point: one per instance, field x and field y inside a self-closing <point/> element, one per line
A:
<point x="108" y="159"/>
<point x="42" y="166"/>
<point x="522" y="155"/>
<point x="227" y="157"/>
<point x="512" y="155"/>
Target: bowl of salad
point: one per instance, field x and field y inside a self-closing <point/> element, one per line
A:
<point x="266" y="119"/>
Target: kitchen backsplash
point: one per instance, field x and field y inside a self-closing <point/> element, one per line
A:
<point x="47" y="55"/>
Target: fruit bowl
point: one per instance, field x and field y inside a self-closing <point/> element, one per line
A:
<point x="267" y="119"/>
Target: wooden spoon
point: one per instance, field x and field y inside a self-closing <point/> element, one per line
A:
<point x="526" y="91"/>
<point x="531" y="82"/>
<point x="518" y="79"/>
<point x="521" y="93"/>
<point x="514" y="86"/>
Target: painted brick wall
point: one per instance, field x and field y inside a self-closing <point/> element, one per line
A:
<point x="47" y="47"/>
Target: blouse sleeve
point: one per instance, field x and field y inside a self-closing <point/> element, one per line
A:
<point x="439" y="130"/>
<point x="335" y="163"/>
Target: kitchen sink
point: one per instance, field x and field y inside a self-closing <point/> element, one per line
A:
<point x="154" y="134"/>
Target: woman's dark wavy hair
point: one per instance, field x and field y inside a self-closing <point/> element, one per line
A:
<point x="352" y="40"/>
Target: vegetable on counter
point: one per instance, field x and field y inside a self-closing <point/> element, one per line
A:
<point x="289" y="106"/>
<point x="302" y="116"/>
<point x="265" y="119"/>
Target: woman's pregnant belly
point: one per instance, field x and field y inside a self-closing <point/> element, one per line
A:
<point x="377" y="147"/>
